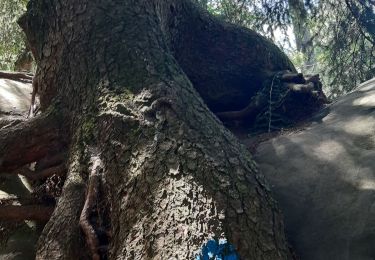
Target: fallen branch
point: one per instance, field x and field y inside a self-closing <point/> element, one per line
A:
<point x="29" y="141"/>
<point x="20" y="213"/>
<point x="18" y="76"/>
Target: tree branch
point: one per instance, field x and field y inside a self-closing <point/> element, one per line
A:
<point x="20" y="213"/>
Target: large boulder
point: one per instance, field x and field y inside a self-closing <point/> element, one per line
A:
<point x="14" y="97"/>
<point x="324" y="179"/>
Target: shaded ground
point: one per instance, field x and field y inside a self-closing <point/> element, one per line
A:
<point x="324" y="179"/>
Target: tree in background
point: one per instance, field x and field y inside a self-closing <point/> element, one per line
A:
<point x="344" y="43"/>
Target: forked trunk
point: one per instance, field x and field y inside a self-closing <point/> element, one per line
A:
<point x="171" y="177"/>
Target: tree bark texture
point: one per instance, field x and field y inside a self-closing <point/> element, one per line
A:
<point x="122" y="75"/>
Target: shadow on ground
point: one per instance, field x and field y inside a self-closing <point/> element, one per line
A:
<point x="324" y="180"/>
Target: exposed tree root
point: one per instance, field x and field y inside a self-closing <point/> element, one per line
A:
<point x="19" y="213"/>
<point x="18" y="76"/>
<point x="295" y="82"/>
<point x="38" y="175"/>
<point x="90" y="205"/>
<point x="60" y="238"/>
<point x="29" y="141"/>
<point x="251" y="110"/>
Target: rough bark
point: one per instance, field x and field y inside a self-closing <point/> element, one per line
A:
<point x="172" y="176"/>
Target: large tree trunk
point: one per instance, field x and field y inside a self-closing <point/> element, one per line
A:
<point x="151" y="169"/>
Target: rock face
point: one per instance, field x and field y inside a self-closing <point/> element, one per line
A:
<point x="324" y="179"/>
<point x="14" y="97"/>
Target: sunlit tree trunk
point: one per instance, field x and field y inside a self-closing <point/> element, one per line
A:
<point x="152" y="173"/>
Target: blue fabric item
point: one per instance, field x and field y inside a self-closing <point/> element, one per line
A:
<point x="218" y="250"/>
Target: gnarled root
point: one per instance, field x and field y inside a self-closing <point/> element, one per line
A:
<point x="294" y="82"/>
<point x="60" y="237"/>
<point x="90" y="204"/>
<point x="29" y="141"/>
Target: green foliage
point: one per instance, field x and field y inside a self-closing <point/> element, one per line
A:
<point x="345" y="50"/>
<point x="335" y="38"/>
<point x="12" y="40"/>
